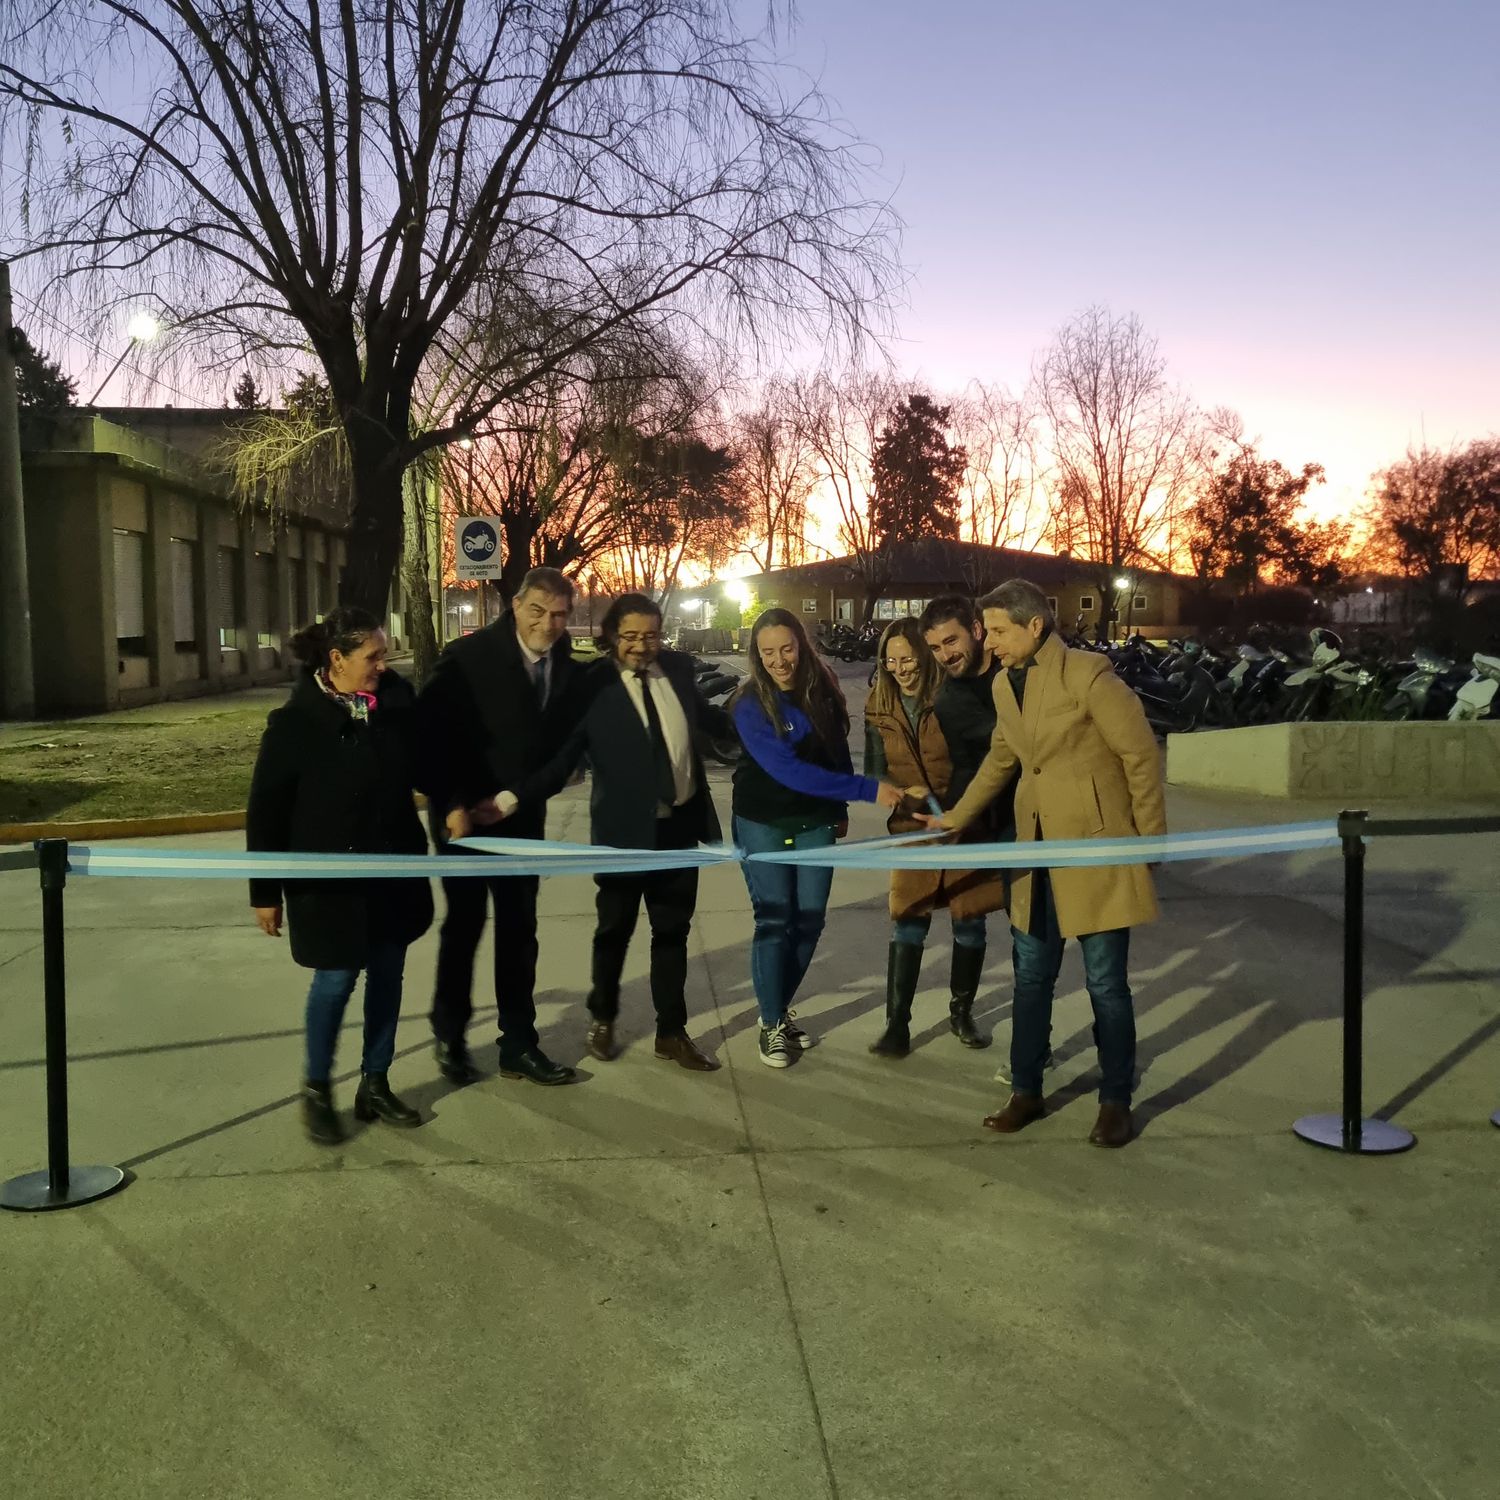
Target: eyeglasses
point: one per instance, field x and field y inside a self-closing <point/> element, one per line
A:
<point x="895" y="663"/>
<point x="638" y="638"/>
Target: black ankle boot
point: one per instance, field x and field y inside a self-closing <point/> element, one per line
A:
<point x="319" y="1116"/>
<point x="903" y="966"/>
<point x="375" y="1101"/>
<point x="968" y="964"/>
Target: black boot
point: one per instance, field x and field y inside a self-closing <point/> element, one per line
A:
<point x="319" y="1116"/>
<point x="968" y="964"/>
<point x="902" y="969"/>
<point x="375" y="1101"/>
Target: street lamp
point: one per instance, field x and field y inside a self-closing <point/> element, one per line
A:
<point x="737" y="591"/>
<point x="141" y="329"/>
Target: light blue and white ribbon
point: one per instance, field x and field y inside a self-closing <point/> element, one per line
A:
<point x="534" y="857"/>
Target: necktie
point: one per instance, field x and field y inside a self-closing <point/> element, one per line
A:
<point x="539" y="679"/>
<point x="666" y="783"/>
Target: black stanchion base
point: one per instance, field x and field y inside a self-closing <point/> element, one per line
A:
<point x="33" y="1191"/>
<point x="1376" y="1137"/>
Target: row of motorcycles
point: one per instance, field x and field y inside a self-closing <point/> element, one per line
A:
<point x="1266" y="679"/>
<point x="849" y="642"/>
<point x="1187" y="685"/>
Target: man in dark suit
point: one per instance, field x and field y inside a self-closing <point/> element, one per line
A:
<point x="637" y="716"/>
<point x="493" y="715"/>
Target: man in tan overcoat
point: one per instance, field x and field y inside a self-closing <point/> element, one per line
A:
<point x="1089" y="767"/>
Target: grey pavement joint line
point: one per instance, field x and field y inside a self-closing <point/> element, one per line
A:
<point x="765" y="1204"/>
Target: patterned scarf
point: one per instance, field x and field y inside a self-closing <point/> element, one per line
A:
<point x="360" y="705"/>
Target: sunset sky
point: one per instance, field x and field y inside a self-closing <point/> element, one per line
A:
<point x="1301" y="200"/>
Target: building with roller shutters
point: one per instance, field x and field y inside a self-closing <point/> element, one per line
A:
<point x="147" y="580"/>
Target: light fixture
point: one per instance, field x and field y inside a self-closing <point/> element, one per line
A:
<point x="1369" y="591"/>
<point x="141" y="329"/>
<point x="738" y="592"/>
<point x="1122" y="583"/>
<point x="466" y="443"/>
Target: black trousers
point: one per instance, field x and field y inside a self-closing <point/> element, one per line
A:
<point x="671" y="897"/>
<point x="514" y="900"/>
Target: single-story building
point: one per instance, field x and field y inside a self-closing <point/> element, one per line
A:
<point x="831" y="591"/>
<point x="147" y="581"/>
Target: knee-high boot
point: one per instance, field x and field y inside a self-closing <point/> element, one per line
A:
<point x="968" y="964"/>
<point x="902" y="968"/>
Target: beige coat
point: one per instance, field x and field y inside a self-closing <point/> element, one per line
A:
<point x="922" y="759"/>
<point x="1090" y="768"/>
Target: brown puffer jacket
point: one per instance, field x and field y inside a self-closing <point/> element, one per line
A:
<point x="922" y="759"/>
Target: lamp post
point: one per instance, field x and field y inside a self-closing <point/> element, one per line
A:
<point x="1122" y="584"/>
<point x="17" y="688"/>
<point x="141" y="329"/>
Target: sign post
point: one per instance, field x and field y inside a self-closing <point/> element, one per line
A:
<point x="476" y="554"/>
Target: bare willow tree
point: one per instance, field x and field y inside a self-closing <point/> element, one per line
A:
<point x="843" y="418"/>
<point x="1124" y="442"/>
<point x="1001" y="482"/>
<point x="778" y="474"/>
<point x="347" y="182"/>
<point x="547" y="466"/>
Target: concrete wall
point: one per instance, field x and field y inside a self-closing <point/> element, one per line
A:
<point x="1352" y="761"/>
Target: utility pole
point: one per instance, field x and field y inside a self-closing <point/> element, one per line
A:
<point x="17" y="691"/>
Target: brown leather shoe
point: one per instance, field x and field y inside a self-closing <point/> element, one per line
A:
<point x="680" y="1050"/>
<point x="601" y="1040"/>
<point x="1114" y="1127"/>
<point x="1020" y="1110"/>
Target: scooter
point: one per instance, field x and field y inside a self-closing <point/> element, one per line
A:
<point x="1476" y="698"/>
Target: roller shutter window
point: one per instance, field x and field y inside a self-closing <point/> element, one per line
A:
<point x="265" y="582"/>
<point x="231" y="604"/>
<point x="130" y="586"/>
<point x="184" y="611"/>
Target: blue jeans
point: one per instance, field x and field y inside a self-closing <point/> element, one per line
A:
<point x="968" y="932"/>
<point x="790" y="903"/>
<point x="329" y="994"/>
<point x="1038" y="957"/>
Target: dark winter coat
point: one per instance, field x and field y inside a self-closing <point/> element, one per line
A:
<point x="966" y="714"/>
<point x="327" y="783"/>
<point x="483" y="730"/>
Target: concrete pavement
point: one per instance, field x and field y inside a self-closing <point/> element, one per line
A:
<point x="824" y="1282"/>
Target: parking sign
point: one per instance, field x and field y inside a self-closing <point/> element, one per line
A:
<point x="476" y="550"/>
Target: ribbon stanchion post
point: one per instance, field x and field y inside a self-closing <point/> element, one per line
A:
<point x="59" y="1185"/>
<point x="1350" y="1131"/>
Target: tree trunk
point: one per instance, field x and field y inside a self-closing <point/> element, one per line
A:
<point x="375" y="527"/>
<point x="417" y="578"/>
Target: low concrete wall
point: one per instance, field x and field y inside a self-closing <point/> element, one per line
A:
<point x="1349" y="760"/>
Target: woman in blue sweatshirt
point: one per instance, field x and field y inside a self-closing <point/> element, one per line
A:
<point x="792" y="788"/>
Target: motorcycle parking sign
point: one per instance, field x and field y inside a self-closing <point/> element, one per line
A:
<point x="476" y="550"/>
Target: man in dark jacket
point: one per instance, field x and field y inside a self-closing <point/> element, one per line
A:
<point x="965" y="709"/>
<point x="492" y="716"/>
<point x="966" y="701"/>
<point x="637" y="716"/>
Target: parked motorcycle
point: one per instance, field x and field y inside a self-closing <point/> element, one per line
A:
<point x="717" y="683"/>
<point x="1476" y="698"/>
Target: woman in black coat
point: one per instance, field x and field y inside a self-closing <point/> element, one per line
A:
<point x="335" y="773"/>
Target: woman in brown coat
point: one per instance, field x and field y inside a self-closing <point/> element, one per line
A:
<point x="904" y="745"/>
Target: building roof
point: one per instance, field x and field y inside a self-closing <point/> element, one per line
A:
<point x="934" y="562"/>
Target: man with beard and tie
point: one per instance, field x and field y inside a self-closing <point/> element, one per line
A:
<point x="637" y="715"/>
<point x="491" y="715"/>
